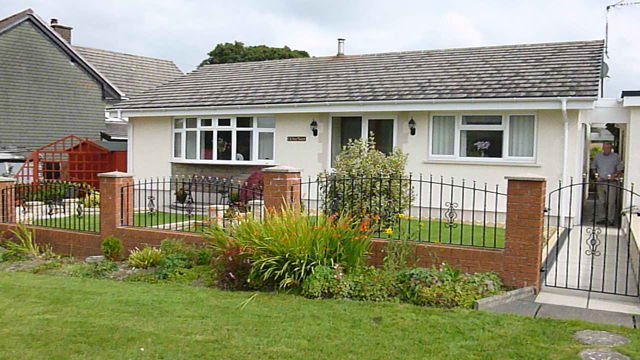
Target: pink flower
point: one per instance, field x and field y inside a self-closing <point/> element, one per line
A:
<point x="232" y="276"/>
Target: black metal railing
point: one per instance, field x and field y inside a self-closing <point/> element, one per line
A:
<point x="189" y="204"/>
<point x="54" y="204"/>
<point x="424" y="209"/>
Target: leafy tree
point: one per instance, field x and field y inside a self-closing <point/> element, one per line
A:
<point x="237" y="52"/>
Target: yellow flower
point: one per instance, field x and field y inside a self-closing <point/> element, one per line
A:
<point x="389" y="231"/>
<point x="421" y="223"/>
<point x="401" y="216"/>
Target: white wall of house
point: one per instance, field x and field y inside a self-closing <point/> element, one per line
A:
<point x="152" y="149"/>
<point x="150" y="145"/>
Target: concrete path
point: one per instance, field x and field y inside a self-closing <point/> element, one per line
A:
<point x="529" y="307"/>
<point x="608" y="267"/>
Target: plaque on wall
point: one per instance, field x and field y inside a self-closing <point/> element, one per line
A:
<point x="296" y="138"/>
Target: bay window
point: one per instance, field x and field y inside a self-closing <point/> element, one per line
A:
<point x="483" y="137"/>
<point x="241" y="139"/>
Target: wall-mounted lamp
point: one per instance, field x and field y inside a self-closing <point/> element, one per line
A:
<point x="314" y="127"/>
<point x="412" y="126"/>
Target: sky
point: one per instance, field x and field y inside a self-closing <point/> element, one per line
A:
<point x="185" y="31"/>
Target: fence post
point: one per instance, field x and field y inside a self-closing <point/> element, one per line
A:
<point x="113" y="207"/>
<point x="7" y="200"/>
<point x="281" y="186"/>
<point x="524" y="230"/>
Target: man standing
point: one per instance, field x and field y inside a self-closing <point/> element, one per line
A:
<point x="608" y="168"/>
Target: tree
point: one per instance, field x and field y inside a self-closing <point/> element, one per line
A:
<point x="237" y="52"/>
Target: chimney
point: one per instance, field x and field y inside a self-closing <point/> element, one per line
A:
<point x="64" y="31"/>
<point x="340" y="47"/>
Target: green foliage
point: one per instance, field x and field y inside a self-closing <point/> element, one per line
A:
<point x="286" y="247"/>
<point x="99" y="270"/>
<point x="237" y="52"/>
<point x="171" y="263"/>
<point x="112" y="248"/>
<point x="357" y="175"/>
<point x="26" y="245"/>
<point x="91" y="200"/>
<point x="201" y="274"/>
<point x="45" y="191"/>
<point x="143" y="277"/>
<point x="46" y="267"/>
<point x="145" y="258"/>
<point x="181" y="195"/>
<point x="443" y="287"/>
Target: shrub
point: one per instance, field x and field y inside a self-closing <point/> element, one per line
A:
<point x="356" y="178"/>
<point x="252" y="187"/>
<point x="145" y="258"/>
<point x="171" y="263"/>
<point x="286" y="247"/>
<point x="91" y="200"/>
<point x="233" y="268"/>
<point x="112" y="248"/>
<point x="444" y="287"/>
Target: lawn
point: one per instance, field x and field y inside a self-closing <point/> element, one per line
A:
<point x="70" y="318"/>
<point x="436" y="231"/>
<point x="90" y="222"/>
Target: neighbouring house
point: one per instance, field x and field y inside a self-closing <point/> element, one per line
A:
<point x="50" y="89"/>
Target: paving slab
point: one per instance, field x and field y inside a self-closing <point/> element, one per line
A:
<point x="602" y="354"/>
<point x="525" y="307"/>
<point x="600" y="338"/>
<point x="591" y="315"/>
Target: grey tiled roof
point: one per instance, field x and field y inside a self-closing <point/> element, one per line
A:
<point x="132" y="74"/>
<point x="570" y="69"/>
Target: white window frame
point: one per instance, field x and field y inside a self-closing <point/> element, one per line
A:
<point x="255" y="133"/>
<point x="504" y="127"/>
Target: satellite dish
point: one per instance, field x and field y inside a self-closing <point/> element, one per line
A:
<point x="604" y="71"/>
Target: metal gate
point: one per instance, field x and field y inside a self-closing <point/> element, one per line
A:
<point x="589" y="240"/>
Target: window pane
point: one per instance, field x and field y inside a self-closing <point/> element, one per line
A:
<point x="192" y="123"/>
<point x="223" y="145"/>
<point x="206" y="145"/>
<point x="192" y="144"/>
<point x="342" y="130"/>
<point x="443" y="137"/>
<point x="244" y="122"/>
<point x="266" y="122"/>
<point x="177" y="145"/>
<point x="477" y="143"/>
<point x="265" y="146"/>
<point x="178" y="123"/>
<point x="521" y="135"/>
<point x="224" y="122"/>
<point x="382" y="131"/>
<point x="205" y="122"/>
<point x="244" y="145"/>
<point x="481" y="120"/>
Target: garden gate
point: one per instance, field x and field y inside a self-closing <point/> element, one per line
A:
<point x="589" y="239"/>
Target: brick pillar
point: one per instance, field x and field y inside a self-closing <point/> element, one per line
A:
<point x="115" y="207"/>
<point x="281" y="186"/>
<point x="524" y="231"/>
<point x="7" y="200"/>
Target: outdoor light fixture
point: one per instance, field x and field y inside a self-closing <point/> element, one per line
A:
<point x="314" y="127"/>
<point x="412" y="126"/>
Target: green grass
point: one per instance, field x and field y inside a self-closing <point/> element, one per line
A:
<point x="69" y="318"/>
<point x="439" y="232"/>
<point x="90" y="222"/>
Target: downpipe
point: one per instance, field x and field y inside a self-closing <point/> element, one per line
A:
<point x="565" y="161"/>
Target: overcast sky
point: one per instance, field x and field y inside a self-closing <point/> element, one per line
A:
<point x="184" y="31"/>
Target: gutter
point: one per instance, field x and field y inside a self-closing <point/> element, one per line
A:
<point x="348" y="103"/>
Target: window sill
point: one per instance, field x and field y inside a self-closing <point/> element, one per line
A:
<point x="223" y="162"/>
<point x="481" y="163"/>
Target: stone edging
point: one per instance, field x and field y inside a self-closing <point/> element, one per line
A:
<point x="505" y="298"/>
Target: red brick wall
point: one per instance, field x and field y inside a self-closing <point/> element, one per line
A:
<point x="518" y="264"/>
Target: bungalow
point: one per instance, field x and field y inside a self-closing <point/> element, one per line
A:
<point x="478" y="113"/>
